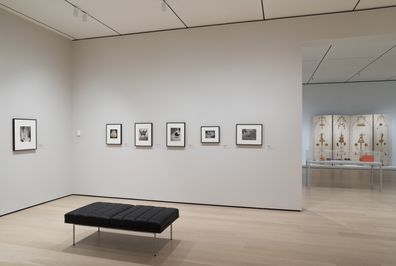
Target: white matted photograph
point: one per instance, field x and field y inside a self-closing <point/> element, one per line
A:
<point x="210" y="134"/>
<point x="143" y="134"/>
<point x="249" y="134"/>
<point x="24" y="134"/>
<point x="113" y="134"/>
<point x="175" y="134"/>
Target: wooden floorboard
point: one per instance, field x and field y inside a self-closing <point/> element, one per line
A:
<point x="338" y="226"/>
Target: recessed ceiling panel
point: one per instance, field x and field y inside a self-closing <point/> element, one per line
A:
<point x="315" y="51"/>
<point x="287" y="8"/>
<point x="129" y="16"/>
<point x="59" y="14"/>
<point x="358" y="48"/>
<point x="308" y="67"/>
<point x="204" y="12"/>
<point x="339" y="70"/>
<point x="382" y="69"/>
<point x="363" y="4"/>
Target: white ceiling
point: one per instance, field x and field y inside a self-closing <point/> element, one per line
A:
<point x="118" y="17"/>
<point x="350" y="60"/>
<point x="347" y="60"/>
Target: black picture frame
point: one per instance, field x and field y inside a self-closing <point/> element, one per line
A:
<point x="240" y="141"/>
<point x="149" y="142"/>
<point x="216" y="138"/>
<point x="110" y="140"/>
<point x="19" y="144"/>
<point x="169" y="134"/>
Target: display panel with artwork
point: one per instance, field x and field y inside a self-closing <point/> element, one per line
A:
<point x="113" y="134"/>
<point x="322" y="137"/>
<point x="381" y="137"/>
<point x="210" y="134"/>
<point x="144" y="134"/>
<point x="341" y="132"/>
<point x="361" y="136"/>
<point x="249" y="134"/>
<point x="24" y="134"/>
<point x="175" y="134"/>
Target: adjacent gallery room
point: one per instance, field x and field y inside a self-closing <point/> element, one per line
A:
<point x="198" y="132"/>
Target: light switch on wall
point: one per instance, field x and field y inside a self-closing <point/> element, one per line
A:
<point x="78" y="133"/>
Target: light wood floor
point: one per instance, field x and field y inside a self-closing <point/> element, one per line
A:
<point x="338" y="227"/>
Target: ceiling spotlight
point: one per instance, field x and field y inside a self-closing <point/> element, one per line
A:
<point x="75" y="12"/>
<point x="85" y="17"/>
<point x="163" y="6"/>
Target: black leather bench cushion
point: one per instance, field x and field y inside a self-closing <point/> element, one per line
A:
<point x="124" y="216"/>
<point x="95" y="214"/>
<point x="145" y="218"/>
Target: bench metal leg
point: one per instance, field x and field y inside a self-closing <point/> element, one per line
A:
<point x="74" y="234"/>
<point x="155" y="242"/>
<point x="171" y="237"/>
<point x="381" y="174"/>
<point x="98" y="229"/>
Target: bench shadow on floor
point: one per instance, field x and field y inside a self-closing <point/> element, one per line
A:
<point x="124" y="247"/>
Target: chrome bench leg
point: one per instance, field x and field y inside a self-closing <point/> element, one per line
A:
<point x="155" y="242"/>
<point x="171" y="233"/>
<point x="74" y="234"/>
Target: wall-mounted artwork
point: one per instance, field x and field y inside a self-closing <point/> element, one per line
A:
<point x="341" y="132"/>
<point x="210" y="134"/>
<point x="361" y="135"/>
<point x="322" y="137"/>
<point x="175" y="134"/>
<point x="113" y="134"/>
<point x="24" y="134"/>
<point x="249" y="134"/>
<point x="143" y="134"/>
<point x="381" y="137"/>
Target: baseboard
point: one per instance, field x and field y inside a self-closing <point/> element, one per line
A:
<point x="150" y="200"/>
<point x="186" y="203"/>
<point x="38" y="204"/>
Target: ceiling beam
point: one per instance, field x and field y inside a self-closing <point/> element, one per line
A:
<point x="174" y="12"/>
<point x="317" y="67"/>
<point x="347" y="82"/>
<point x="262" y="9"/>
<point x="38" y="22"/>
<point x="354" y="8"/>
<point x="107" y="26"/>
<point x="372" y="62"/>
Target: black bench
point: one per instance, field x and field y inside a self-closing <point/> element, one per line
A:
<point x="148" y="219"/>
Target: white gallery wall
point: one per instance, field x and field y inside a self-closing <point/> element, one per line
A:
<point x="34" y="83"/>
<point x="349" y="98"/>
<point x="244" y="73"/>
<point x="223" y="75"/>
<point x="213" y="76"/>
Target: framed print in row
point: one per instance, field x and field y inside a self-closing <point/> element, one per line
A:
<point x="143" y="134"/>
<point x="175" y="134"/>
<point x="249" y="134"/>
<point x="114" y="134"/>
<point x="210" y="134"/>
<point x="24" y="132"/>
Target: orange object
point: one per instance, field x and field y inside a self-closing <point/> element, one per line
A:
<point x="366" y="158"/>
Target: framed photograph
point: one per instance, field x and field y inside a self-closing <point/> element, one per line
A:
<point x="210" y="134"/>
<point x="143" y="134"/>
<point x="114" y="134"/>
<point x="249" y="134"/>
<point x="175" y="134"/>
<point x="24" y="132"/>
